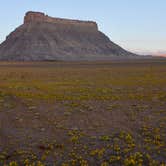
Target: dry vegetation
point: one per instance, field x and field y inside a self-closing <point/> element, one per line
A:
<point x="100" y="113"/>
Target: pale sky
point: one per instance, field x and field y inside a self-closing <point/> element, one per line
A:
<point x="137" y="25"/>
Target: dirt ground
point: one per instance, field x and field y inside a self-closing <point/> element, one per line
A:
<point x="83" y="113"/>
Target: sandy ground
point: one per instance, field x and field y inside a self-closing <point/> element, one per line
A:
<point x="83" y="113"/>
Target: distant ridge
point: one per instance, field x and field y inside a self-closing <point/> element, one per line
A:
<point x="46" y="38"/>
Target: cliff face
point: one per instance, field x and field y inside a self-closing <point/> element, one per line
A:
<point x="32" y="17"/>
<point x="46" y="38"/>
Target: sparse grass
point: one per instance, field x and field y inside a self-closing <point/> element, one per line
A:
<point x="89" y="113"/>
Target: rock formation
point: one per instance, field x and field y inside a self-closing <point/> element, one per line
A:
<point x="46" y="38"/>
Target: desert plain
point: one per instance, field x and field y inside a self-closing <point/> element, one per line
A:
<point x="83" y="113"/>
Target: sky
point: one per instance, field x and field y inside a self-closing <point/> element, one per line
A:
<point x="136" y="25"/>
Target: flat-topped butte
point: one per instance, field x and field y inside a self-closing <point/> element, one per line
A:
<point x="43" y="38"/>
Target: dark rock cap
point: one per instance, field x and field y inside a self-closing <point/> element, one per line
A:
<point x="41" y="17"/>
